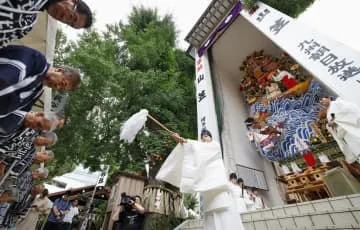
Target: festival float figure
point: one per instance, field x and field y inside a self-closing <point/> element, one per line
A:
<point x="287" y="106"/>
<point x="196" y="166"/>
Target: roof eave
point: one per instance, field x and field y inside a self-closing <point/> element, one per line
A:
<point x="214" y="14"/>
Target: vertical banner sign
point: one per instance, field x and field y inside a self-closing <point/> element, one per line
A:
<point x="205" y="98"/>
<point x="103" y="176"/>
<point x="206" y="113"/>
<point x="334" y="64"/>
<point x="101" y="182"/>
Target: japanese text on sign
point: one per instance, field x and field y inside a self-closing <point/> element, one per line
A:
<point x="262" y="15"/>
<point x="200" y="78"/>
<point x="203" y="122"/>
<point x="279" y="25"/>
<point x="202" y="95"/>
<point x="341" y="66"/>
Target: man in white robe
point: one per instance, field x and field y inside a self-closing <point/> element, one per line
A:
<point x="195" y="166"/>
<point x="235" y="192"/>
<point x="245" y="197"/>
<point x="344" y="125"/>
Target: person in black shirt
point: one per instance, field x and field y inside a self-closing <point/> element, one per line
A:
<point x="132" y="215"/>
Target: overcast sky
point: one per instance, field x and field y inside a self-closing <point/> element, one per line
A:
<point x="334" y="18"/>
<point x="185" y="13"/>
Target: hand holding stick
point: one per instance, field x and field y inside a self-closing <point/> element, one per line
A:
<point x="262" y="202"/>
<point x="176" y="136"/>
<point x="159" y="124"/>
<point x="242" y="190"/>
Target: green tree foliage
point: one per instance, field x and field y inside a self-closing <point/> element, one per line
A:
<point x="126" y="68"/>
<point x="190" y="201"/>
<point x="292" y="8"/>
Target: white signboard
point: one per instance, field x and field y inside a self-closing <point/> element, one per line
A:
<point x="103" y="176"/>
<point x="333" y="63"/>
<point x="206" y="113"/>
<point x="205" y="98"/>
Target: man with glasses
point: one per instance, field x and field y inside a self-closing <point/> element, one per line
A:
<point x="17" y="18"/>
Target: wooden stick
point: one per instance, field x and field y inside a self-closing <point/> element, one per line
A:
<point x="158" y="123"/>
<point x="242" y="190"/>
<point x="8" y="172"/>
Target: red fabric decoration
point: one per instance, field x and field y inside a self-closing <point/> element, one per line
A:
<point x="241" y="88"/>
<point x="263" y="80"/>
<point x="309" y="159"/>
<point x="289" y="82"/>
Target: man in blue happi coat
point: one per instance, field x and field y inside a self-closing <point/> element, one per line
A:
<point x="23" y="73"/>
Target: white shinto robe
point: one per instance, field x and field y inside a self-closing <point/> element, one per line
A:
<point x="198" y="167"/>
<point x="347" y="130"/>
<point x="240" y="197"/>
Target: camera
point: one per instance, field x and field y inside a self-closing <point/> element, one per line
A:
<point x="126" y="200"/>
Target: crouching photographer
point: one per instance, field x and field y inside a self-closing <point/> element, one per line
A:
<point x="129" y="214"/>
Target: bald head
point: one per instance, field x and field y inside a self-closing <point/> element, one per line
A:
<point x="46" y="139"/>
<point x="40" y="173"/>
<point x="44" y="156"/>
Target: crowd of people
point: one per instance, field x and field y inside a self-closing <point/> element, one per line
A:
<point x="25" y="134"/>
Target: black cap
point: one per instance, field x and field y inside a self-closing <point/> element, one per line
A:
<point x="206" y="132"/>
<point x="233" y="176"/>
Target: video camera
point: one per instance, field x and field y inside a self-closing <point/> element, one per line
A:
<point x="126" y="200"/>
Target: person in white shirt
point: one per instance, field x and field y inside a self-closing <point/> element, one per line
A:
<point x="74" y="211"/>
<point x="245" y="197"/>
<point x="258" y="202"/>
<point x="238" y="193"/>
